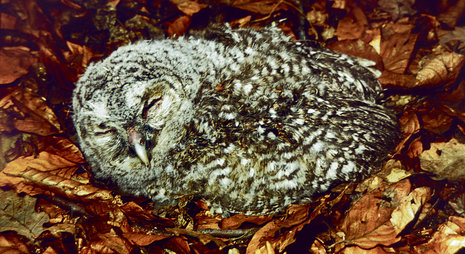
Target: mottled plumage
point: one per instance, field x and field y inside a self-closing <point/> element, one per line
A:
<point x="248" y="120"/>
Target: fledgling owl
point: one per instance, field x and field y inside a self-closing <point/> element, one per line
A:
<point x="248" y="120"/>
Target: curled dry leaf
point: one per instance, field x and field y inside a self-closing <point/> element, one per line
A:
<point x="48" y="171"/>
<point x="18" y="214"/>
<point x="14" y="63"/>
<point x="410" y="125"/>
<point x="448" y="239"/>
<point x="28" y="112"/>
<point x="268" y="234"/>
<point x="409" y="208"/>
<point x="78" y="57"/>
<point x="367" y="224"/>
<point x="265" y="7"/>
<point x="188" y="7"/>
<point x="440" y="68"/>
<point x="205" y="220"/>
<point x="445" y="160"/>
<point x="237" y="220"/>
<point x="395" y="171"/>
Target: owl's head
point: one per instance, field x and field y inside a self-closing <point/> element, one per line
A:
<point x="129" y="110"/>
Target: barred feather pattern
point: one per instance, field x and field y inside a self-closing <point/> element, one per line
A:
<point x="248" y="120"/>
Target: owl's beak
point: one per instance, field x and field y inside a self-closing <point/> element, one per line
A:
<point x="137" y="143"/>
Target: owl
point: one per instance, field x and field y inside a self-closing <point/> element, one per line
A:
<point x="248" y="120"/>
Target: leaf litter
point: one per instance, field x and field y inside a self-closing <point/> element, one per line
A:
<point x="53" y="205"/>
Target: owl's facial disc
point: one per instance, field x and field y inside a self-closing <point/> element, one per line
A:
<point x="138" y="144"/>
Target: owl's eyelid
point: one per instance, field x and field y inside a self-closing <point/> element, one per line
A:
<point x="150" y="105"/>
<point x="105" y="132"/>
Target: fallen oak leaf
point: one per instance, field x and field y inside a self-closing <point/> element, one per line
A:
<point x="18" y="214"/>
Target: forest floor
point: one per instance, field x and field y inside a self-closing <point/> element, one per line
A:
<point x="51" y="204"/>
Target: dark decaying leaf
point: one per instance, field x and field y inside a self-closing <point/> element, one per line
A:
<point x="15" y="62"/>
<point x="28" y="112"/>
<point x="18" y="214"/>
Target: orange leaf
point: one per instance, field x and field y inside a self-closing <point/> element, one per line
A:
<point x="14" y="63"/>
<point x="367" y="224"/>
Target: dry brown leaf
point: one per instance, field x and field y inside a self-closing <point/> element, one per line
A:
<point x="398" y="8"/>
<point x="395" y="171"/>
<point x="453" y="14"/>
<point x="237" y="220"/>
<point x="11" y="243"/>
<point x="29" y="113"/>
<point x="179" y="26"/>
<point x="265" y="7"/>
<point x="448" y="239"/>
<point x="62" y="147"/>
<point x="58" y="229"/>
<point x="272" y="231"/>
<point x="142" y="238"/>
<point x="440" y="68"/>
<point x="352" y="26"/>
<point x="178" y="245"/>
<point x="358" y="48"/>
<point x="188" y="7"/>
<point x="358" y="250"/>
<point x="445" y="160"/>
<point x="367" y="224"/>
<point x="409" y="208"/>
<point x="410" y="125"/>
<point x="15" y="62"/>
<point x="78" y="57"/>
<point x="397" y="51"/>
<point x="415" y="148"/>
<point x="18" y="214"/>
<point x="390" y="79"/>
<point x="111" y="243"/>
<point x="436" y="121"/>
<point x="48" y="171"/>
<point x="205" y="220"/>
<point x="318" y="248"/>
